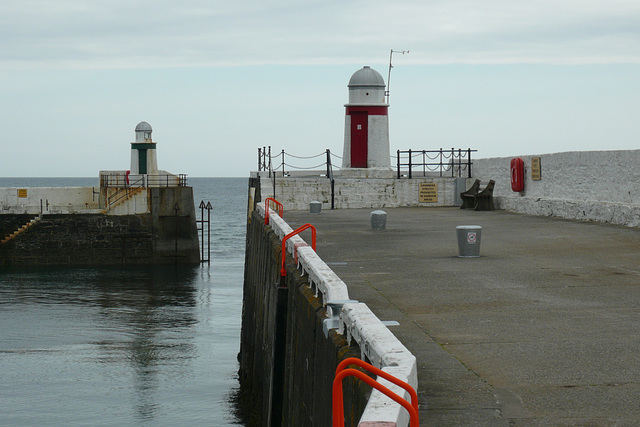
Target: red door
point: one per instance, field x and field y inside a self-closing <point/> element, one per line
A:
<point x="359" y="140"/>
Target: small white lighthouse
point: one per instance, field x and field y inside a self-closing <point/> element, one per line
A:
<point x="366" y="130"/>
<point x="143" y="152"/>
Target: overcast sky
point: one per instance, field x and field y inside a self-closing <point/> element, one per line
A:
<point x="217" y="79"/>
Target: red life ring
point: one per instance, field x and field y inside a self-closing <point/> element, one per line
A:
<point x="517" y="174"/>
<point x="126" y="176"/>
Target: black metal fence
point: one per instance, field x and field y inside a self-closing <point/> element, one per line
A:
<point x="453" y="162"/>
<point x="266" y="163"/>
<point x="121" y="180"/>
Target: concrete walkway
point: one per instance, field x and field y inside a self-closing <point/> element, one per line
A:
<point x="542" y="329"/>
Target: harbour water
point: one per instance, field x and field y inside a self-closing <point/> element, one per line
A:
<point x="127" y="346"/>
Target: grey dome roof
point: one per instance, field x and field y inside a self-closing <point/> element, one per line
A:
<point x="143" y="127"/>
<point x="366" y="77"/>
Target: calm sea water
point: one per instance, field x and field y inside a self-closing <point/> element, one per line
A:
<point x="127" y="346"/>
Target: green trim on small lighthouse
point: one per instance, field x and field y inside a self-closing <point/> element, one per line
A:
<point x="143" y="145"/>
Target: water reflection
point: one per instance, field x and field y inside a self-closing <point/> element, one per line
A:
<point x="134" y="328"/>
<point x="153" y="307"/>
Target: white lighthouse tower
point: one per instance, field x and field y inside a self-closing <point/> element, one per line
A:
<point x="366" y="130"/>
<point x="143" y="152"/>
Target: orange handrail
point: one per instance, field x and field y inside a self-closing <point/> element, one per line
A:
<point x="379" y="372"/>
<point x="266" y="209"/>
<point x="283" y="271"/>
<point x="341" y="372"/>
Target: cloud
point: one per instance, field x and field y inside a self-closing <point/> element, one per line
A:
<point x="148" y="34"/>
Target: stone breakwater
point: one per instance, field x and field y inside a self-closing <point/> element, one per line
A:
<point x="319" y="334"/>
<point x="162" y="235"/>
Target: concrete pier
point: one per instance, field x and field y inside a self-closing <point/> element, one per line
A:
<point x="542" y="329"/>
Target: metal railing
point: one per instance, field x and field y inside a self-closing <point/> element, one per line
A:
<point x="268" y="208"/>
<point x="123" y="192"/>
<point x="124" y="180"/>
<point x="126" y="187"/>
<point x="266" y="162"/>
<point x="342" y="371"/>
<point x="201" y="224"/>
<point x="441" y="162"/>
<point x="408" y="163"/>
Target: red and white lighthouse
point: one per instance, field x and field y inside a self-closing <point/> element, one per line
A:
<point x="366" y="130"/>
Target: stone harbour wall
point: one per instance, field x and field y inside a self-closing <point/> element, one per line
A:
<point x="166" y="235"/>
<point x="589" y="185"/>
<point x="309" y="360"/>
<point x="316" y="336"/>
<point x="81" y="239"/>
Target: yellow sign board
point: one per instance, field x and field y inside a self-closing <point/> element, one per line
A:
<point x="22" y="192"/>
<point x="536" y="174"/>
<point x="428" y="193"/>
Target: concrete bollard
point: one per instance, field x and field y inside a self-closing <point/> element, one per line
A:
<point x="468" y="240"/>
<point x="315" y="207"/>
<point x="378" y="220"/>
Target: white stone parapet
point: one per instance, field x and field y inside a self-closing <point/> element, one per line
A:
<point x="53" y="200"/>
<point x="587" y="185"/>
<point x="357" y="188"/>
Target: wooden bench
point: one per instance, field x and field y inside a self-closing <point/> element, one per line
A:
<point x="469" y="197"/>
<point x="478" y="200"/>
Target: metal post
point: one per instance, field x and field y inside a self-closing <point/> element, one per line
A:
<point x="424" y="163"/>
<point x="333" y="193"/>
<point x="328" y="163"/>
<point x="259" y="159"/>
<point x="398" y="159"/>
<point x="469" y="151"/>
<point x="410" y="167"/>
<point x="202" y="206"/>
<point x="282" y="162"/>
<point x="453" y="156"/>
<point x="209" y="207"/>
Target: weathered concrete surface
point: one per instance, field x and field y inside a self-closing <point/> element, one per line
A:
<point x="542" y="329"/>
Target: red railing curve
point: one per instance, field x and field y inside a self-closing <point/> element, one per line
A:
<point x="266" y="209"/>
<point x="283" y="271"/>
<point x="341" y="373"/>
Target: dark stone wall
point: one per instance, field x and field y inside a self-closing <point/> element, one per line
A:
<point x="175" y="231"/>
<point x="87" y="239"/>
<point x="10" y="223"/>
<point x="166" y="235"/>
<point x="310" y="359"/>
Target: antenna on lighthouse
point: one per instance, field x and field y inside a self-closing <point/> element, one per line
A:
<point x="390" y="67"/>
